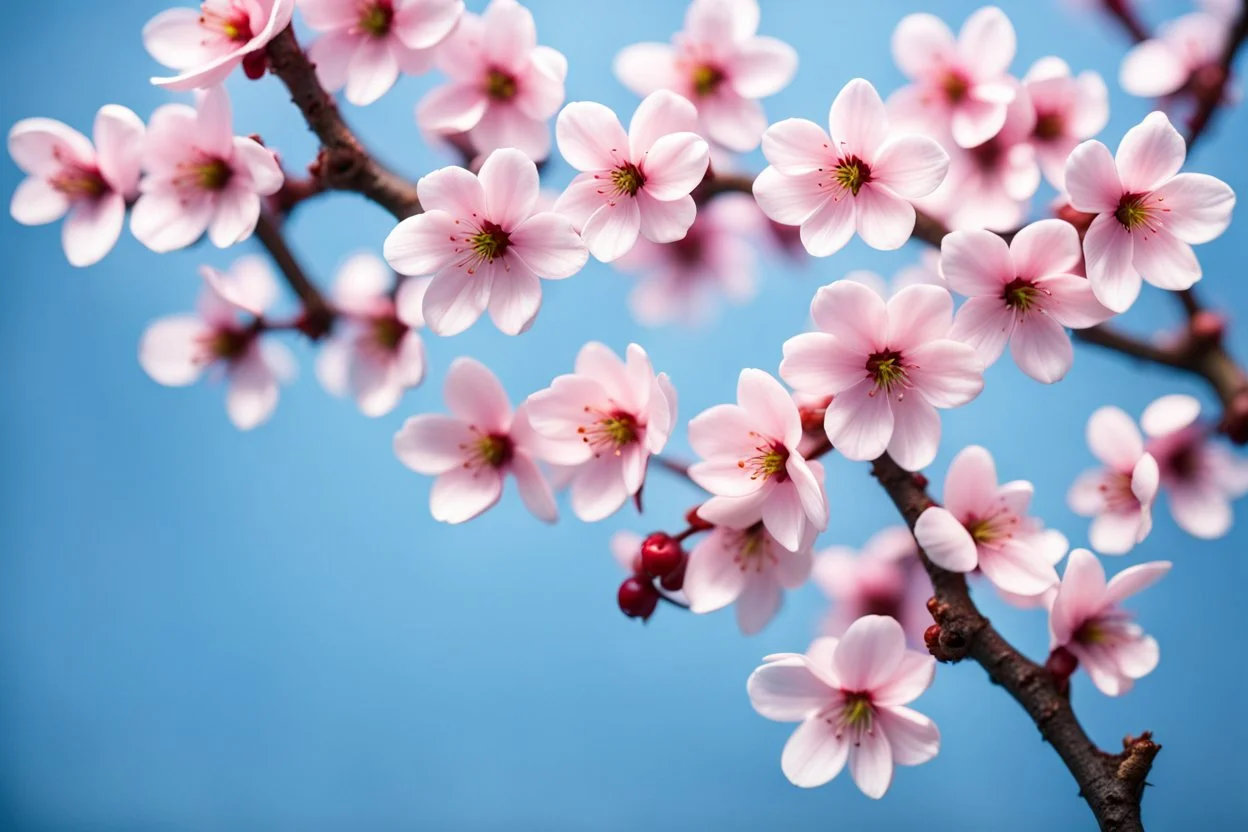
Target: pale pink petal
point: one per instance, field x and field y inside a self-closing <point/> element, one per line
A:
<point x="454" y="108"/>
<point x="758" y="604"/>
<point x="1139" y="657"/>
<point x="1170" y="414"/>
<point x="509" y="34"/>
<point x="454" y="190"/>
<point x="871" y="763"/>
<point x="1150" y="154"/>
<point x="815" y="753"/>
<point x="176" y="39"/>
<point x="332" y="54"/>
<point x="830" y="227"/>
<point x="1109" y="250"/>
<point x="1145" y="479"/>
<point x="792" y="200"/>
<point x="509" y="182"/>
<point x="1202" y="511"/>
<point x="1114" y="439"/>
<point x="473" y="394"/>
<point x="422" y="24"/>
<point x="1198" y="206"/>
<point x="977" y="262"/>
<point x="37" y="202"/>
<point x="1044" y="248"/>
<point x="432" y="444"/>
<point x="762" y="66"/>
<point x="1080" y="596"/>
<point x="455" y="299"/>
<point x="770" y="406"/>
<point x="92" y="228"/>
<point x="713" y="579"/>
<point x="816" y="361"/>
<point x="858" y="122"/>
<point x="987" y="42"/>
<point x="251" y="394"/>
<point x="721" y="430"/>
<point x="541" y="86"/>
<point x="674" y="165"/>
<point x="853" y="313"/>
<point x="911" y="166"/>
<point x="163" y="221"/>
<point x="409" y="364"/>
<point x="597" y="361"/>
<point x="784" y="518"/>
<point x="916" y="433"/>
<point x="858" y="423"/>
<point x="549" y="245"/>
<point x="975" y="122"/>
<point x="362" y="280"/>
<point x="947" y="373"/>
<point x="726" y="21"/>
<point x="918" y="315"/>
<point x="1102" y="668"/>
<point x="464" y="493"/>
<point x="172" y="350"/>
<point x="1152" y="69"/>
<point x="599" y="489"/>
<point x="1041" y="348"/>
<point x="1134" y="580"/>
<point x="796" y="146"/>
<point x="787" y="690"/>
<point x="665" y="222"/>
<point x="660" y="113"/>
<point x="372" y="71"/>
<point x="985" y="323"/>
<point x="612" y="230"/>
<point x="375" y="385"/>
<point x="584" y="195"/>
<point x="515" y="297"/>
<point x="237" y="213"/>
<point x="945" y="540"/>
<point x="590" y="137"/>
<point x="734" y="512"/>
<point x="423" y="244"/>
<point x="1016" y="567"/>
<point x="807" y="481"/>
<point x="922" y="45"/>
<point x="214" y="122"/>
<point x="884" y="221"/>
<point x="118" y="136"/>
<point x="913" y="675"/>
<point x="1115" y="533"/>
<point x="1086" y="496"/>
<point x="913" y="738"/>
<point x="646" y="67"/>
<point x="260" y="164"/>
<point x="333" y="364"/>
<point x="869" y="653"/>
<point x="971" y="482"/>
<point x="1166" y="261"/>
<point x="534" y="490"/>
<point x="1092" y="179"/>
<point x="1072" y="303"/>
<point x="734" y="122"/>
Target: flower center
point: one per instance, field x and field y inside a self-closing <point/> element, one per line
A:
<point x="500" y="85"/>
<point x="855" y="717"/>
<point x="880" y="602"/>
<point x="487" y="450"/>
<point x="888" y="370"/>
<point x="1134" y="212"/>
<point x="1021" y="295"/>
<point x="1116" y="489"/>
<point x="226" y="344"/>
<point x="234" y="22"/>
<point x="706" y="79"/>
<point x="993" y="528"/>
<point x="388" y="332"/>
<point x="768" y="461"/>
<point x="955" y="86"/>
<point x="852" y="173"/>
<point x="1109" y="629"/>
<point x="1049" y="126"/>
<point x="609" y="430"/>
<point x="212" y="174"/>
<point x="490" y="242"/>
<point x="628" y="179"/>
<point x="78" y="182"/>
<point x="753" y="550"/>
<point x="376" y="18"/>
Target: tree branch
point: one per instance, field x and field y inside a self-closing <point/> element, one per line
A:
<point x="318" y="316"/>
<point x="1210" y="85"/>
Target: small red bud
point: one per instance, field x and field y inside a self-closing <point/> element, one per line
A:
<point x="1208" y="326"/>
<point x="255" y="64"/>
<point x="1061" y="663"/>
<point x="812" y="415"/>
<point x="661" y="555"/>
<point x="696" y="522"/>
<point x="637" y="598"/>
<point x="920" y="479"/>
<point x="1077" y="218"/>
<point x="931" y="638"/>
<point x="675" y="580"/>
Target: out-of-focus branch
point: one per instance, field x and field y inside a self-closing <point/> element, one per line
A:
<point x="1124" y="12"/>
<point x="1210" y="85"/>
<point x="317" y="317"/>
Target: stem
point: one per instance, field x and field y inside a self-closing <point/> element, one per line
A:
<point x="318" y="316"/>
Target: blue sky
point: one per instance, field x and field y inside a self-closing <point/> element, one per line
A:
<point x="202" y="629"/>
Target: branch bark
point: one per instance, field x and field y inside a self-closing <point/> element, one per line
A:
<point x="318" y="316"/>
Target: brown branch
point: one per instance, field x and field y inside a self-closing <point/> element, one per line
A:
<point x="1112" y="784"/>
<point x="1209" y="86"/>
<point x="1124" y="12"/>
<point x="317" y="317"/>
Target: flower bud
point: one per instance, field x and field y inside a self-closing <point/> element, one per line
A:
<point x="696" y="522"/>
<point x="256" y="64"/>
<point x="637" y="598"/>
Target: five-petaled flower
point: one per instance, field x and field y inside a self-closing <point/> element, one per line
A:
<point x="631" y="183"/>
<point x="849" y="694"/>
<point x="1120" y="496"/>
<point x="888" y="367"/>
<point x="485" y="243"/>
<point x="860" y="178"/>
<point x="720" y="64"/>
<point x="204" y="45"/>
<point x="1086" y="619"/>
<point x="472" y="450"/>
<point x="603" y="422"/>
<point x="65" y="174"/>
<point x="1182" y="48"/>
<point x="1148" y="214"/>
<point x="884" y="578"/>
<point x="1069" y="109"/>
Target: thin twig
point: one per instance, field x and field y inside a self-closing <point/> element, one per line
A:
<point x="318" y="316"/>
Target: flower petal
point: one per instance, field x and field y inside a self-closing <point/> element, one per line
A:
<point x="1150" y="154"/>
<point x="945" y="540"/>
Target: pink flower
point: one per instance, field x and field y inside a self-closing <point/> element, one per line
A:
<point x="175" y="351"/>
<point x="1148" y="214"/>
<point x="1068" y="110"/>
<point x="485" y="245"/>
<point x="885" y="578"/>
<point x="718" y="63"/>
<point x="1087" y="620"/>
<point x="376" y="353"/>
<point x="1182" y="48"/>
<point x="204" y="45"/>
<point x="201" y="177"/>
<point x="743" y="563"/>
<point x="681" y="281"/>
<point x="473" y="450"/>
<point x="1120" y="495"/>
<point x="984" y="525"/>
<point x="859" y="179"/>
<point x="504" y="87"/>
<point x="367" y="43"/>
<point x="1023" y="293"/>
<point x="1199" y="477"/>
<point x="961" y="85"/>
<point x="849" y="696"/>
<point x="634" y="183"/>
<point x="887" y="367"/>
<point x="67" y="175"/>
<point x="752" y="466"/>
<point x="603" y="422"/>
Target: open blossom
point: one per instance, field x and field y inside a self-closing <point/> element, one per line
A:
<point x="177" y="350"/>
<point x="201" y="177"/>
<point x="485" y="243"/>
<point x="376" y="351"/>
<point x="603" y="422"/>
<point x="1182" y="48"/>
<point x="472" y="450"/>
<point x="1069" y="108"/>
<point x="503" y="88"/>
<point x="1120" y="495"/>
<point x="985" y="525"/>
<point x="634" y="183"/>
<point x="365" y="44"/>
<point x="1148" y="214"/>
<point x="743" y="563"/>
<point x="849" y="694"/>
<point x="1023" y="293"/>
<point x="720" y="64"/>
<point x="885" y="578"/>
<point x="66" y="174"/>
<point x="752" y="466"/>
<point x="1199" y="477"/>
<point x="1086" y="619"/>
<point x="888" y="368"/>
<point x="204" y="45"/>
<point x="859" y="179"/>
<point x="959" y="86"/>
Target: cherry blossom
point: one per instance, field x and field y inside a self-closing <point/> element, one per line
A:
<point x="376" y="351"/>
<point x="200" y="177"/>
<point x="485" y="245"/>
<point x="985" y="525"/>
<point x="1120" y="495"/>
<point x="742" y="562"/>
<point x="1199" y="478"/>
<point x="1148" y="214"/>
<point x="1023" y="293"/>
<point x="634" y="183"/>
<point x="885" y="578"/>
<point x="1086" y="618"/>
<point x="849" y="694"/>
<point x="961" y="86"/>
<point x="472" y="450"/>
<point x="66" y="174"/>
<point x="858" y="179"/>
<point x="177" y="350"/>
<point x="603" y="422"/>
<point x="888" y="366"/>
<point x="503" y="88"/>
<point x="1164" y="64"/>
<point x="366" y="43"/>
<point x="720" y="64"/>
<point x="204" y="45"/>
<point x="752" y="466"/>
<point x="1068" y="109"/>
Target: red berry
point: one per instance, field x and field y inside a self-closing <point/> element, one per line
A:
<point x="661" y="555"/>
<point x="675" y="580"/>
<point x="255" y="64"/>
<point x="696" y="522"/>
<point x="638" y="598"/>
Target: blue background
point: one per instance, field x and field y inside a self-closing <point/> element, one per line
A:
<point x="202" y="629"/>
